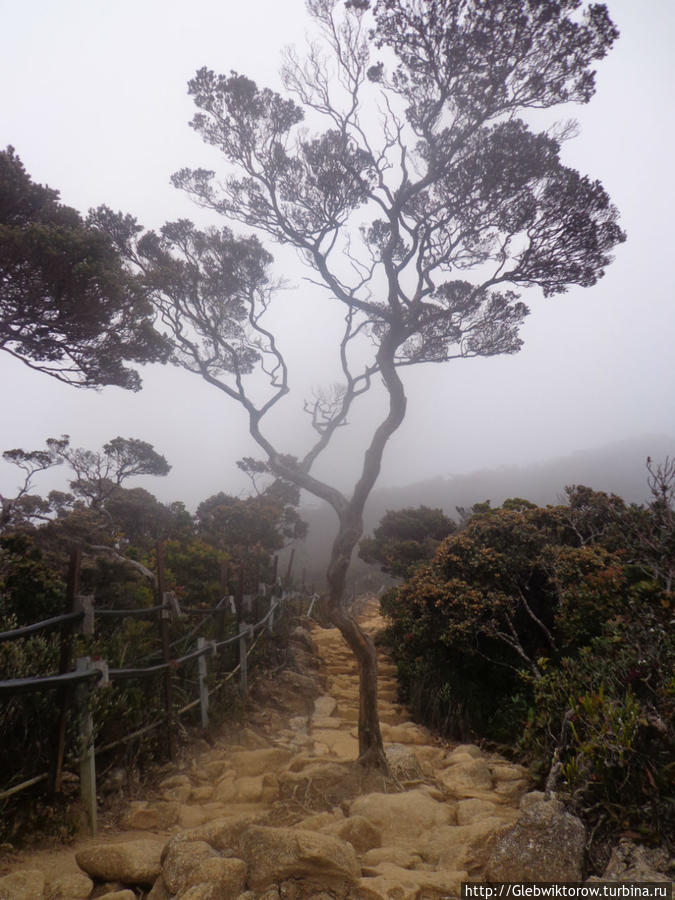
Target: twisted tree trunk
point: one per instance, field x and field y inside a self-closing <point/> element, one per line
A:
<point x="371" y="750"/>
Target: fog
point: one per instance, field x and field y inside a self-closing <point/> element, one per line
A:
<point x="95" y="103"/>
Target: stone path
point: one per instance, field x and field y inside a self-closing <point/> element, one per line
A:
<point x="286" y="812"/>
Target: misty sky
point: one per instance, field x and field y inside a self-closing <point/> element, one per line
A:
<point x="93" y="98"/>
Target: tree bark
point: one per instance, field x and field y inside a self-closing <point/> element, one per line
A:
<point x="371" y="749"/>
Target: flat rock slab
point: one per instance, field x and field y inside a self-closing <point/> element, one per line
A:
<point x="131" y="862"/>
<point x="24" y="884"/>
<point x="276" y="854"/>
<point x="403" y="818"/>
<point x="69" y="887"/>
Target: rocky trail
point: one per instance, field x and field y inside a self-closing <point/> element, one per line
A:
<point x="281" y="811"/>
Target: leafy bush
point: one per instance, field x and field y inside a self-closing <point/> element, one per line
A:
<point x="406" y="537"/>
<point x="542" y="628"/>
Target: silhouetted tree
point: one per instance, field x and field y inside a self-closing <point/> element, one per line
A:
<point x="406" y="537"/>
<point x="68" y="307"/>
<point x="422" y="208"/>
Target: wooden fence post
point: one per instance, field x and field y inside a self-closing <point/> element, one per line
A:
<point x="87" y="758"/>
<point x="166" y="651"/>
<point x="203" y="686"/>
<point x="290" y="568"/>
<point x="65" y="654"/>
<point x="243" y="663"/>
<point x="224" y="592"/>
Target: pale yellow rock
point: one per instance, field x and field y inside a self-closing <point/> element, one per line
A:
<point x="324" y="705"/>
<point x="143" y="815"/>
<point x="248" y="789"/>
<point x="179" y="860"/>
<point x="180" y="793"/>
<point x="159" y="891"/>
<point x="394" y="881"/>
<point x="191" y="816"/>
<point x="399" y="856"/>
<point x="462" y="750"/>
<point x="190" y="863"/>
<point x="131" y="862"/>
<point x="339" y="743"/>
<point x="358" y="831"/>
<point x="174" y="781"/>
<point x="502" y="771"/>
<point x="403" y="818"/>
<point x="472" y="809"/>
<point x="407" y="733"/>
<point x="24" y="884"/>
<point x="212" y="771"/>
<point x="466" y="779"/>
<point x="463" y="846"/>
<point x="512" y="791"/>
<point x="323" y="722"/>
<point x="275" y="854"/>
<point x="202" y="793"/>
<point x="69" y="887"/>
<point x="321" y="820"/>
<point x="253" y="739"/>
<point x="258" y="762"/>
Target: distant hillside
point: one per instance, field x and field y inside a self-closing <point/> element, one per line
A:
<point x="617" y="468"/>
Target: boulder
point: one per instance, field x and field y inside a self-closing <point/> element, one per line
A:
<point x="159" y="891"/>
<point x="324" y="705"/>
<point x="301" y="636"/>
<point x="69" y="887"/>
<point x="462" y="751"/>
<point x="24" y="884"/>
<point x="258" y="762"/>
<point x="635" y="863"/>
<point x="403" y="818"/>
<point x="408" y="733"/>
<point x="222" y="834"/>
<point x="202" y="892"/>
<point x="389" y="880"/>
<point x="463" y="847"/>
<point x="179" y="859"/>
<point x="191" y="816"/>
<point x="248" y="788"/>
<point x="467" y="777"/>
<point x="358" y="831"/>
<point x="399" y="856"/>
<point x="276" y="854"/>
<point x="177" y="787"/>
<point x="131" y="862"/>
<point x="321" y="785"/>
<point x="322" y="820"/>
<point x="472" y="809"/>
<point x="145" y="816"/>
<point x="546" y="844"/>
<point x="403" y="762"/>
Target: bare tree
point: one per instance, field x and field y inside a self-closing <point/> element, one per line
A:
<point x="422" y="207"/>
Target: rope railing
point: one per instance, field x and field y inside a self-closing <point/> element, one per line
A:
<point x="87" y="673"/>
<point x="45" y="625"/>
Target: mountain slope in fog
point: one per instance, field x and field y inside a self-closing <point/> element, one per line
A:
<point x="617" y="468"/>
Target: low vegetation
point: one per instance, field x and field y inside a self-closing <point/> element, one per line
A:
<point x="549" y="631"/>
<point x="226" y="548"/>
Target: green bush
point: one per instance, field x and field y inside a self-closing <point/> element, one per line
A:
<point x="542" y="631"/>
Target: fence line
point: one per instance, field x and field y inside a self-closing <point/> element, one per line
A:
<point x="46" y="624"/>
<point x="88" y="675"/>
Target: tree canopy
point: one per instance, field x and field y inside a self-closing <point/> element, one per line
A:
<point x="406" y="537"/>
<point x="68" y="306"/>
<point x="400" y="166"/>
<point x="549" y="629"/>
